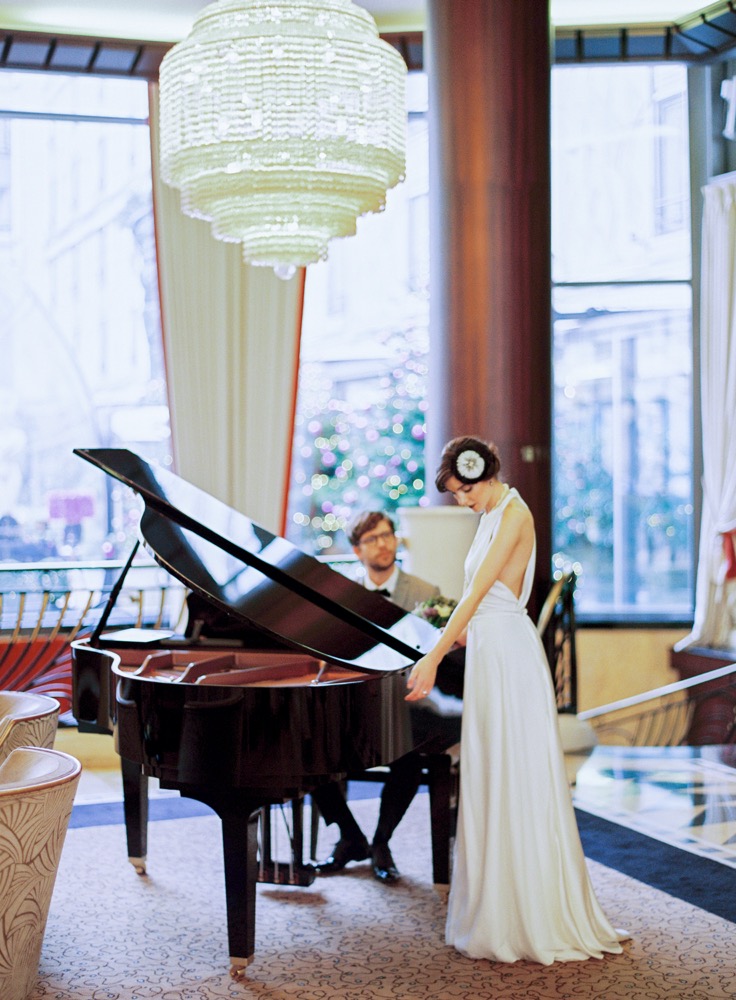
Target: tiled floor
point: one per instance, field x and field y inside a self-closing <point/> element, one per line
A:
<point x="100" y="780"/>
<point x="684" y="796"/>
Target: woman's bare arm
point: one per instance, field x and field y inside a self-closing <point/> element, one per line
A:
<point x="512" y="545"/>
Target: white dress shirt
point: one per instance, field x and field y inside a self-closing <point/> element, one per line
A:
<point x="389" y="585"/>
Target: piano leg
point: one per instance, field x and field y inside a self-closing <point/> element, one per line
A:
<point x="135" y="809"/>
<point x="443" y="796"/>
<point x="239" y="816"/>
<point x="241" y="872"/>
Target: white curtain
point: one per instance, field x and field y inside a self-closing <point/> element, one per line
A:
<point x="714" y="602"/>
<point x="231" y="340"/>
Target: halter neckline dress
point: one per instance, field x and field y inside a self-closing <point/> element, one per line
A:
<point x="520" y="886"/>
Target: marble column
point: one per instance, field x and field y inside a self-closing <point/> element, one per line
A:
<point x="488" y="63"/>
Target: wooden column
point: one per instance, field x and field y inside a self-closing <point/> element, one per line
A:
<point x="488" y="63"/>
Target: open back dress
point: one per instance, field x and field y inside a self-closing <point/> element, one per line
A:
<point x="520" y="886"/>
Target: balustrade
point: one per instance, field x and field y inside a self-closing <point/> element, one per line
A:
<point x="44" y="606"/>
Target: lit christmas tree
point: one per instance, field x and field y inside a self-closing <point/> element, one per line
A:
<point x="350" y="457"/>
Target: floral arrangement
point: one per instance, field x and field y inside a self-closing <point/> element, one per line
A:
<point x="436" y="610"/>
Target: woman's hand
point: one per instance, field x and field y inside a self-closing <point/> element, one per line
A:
<point x="421" y="679"/>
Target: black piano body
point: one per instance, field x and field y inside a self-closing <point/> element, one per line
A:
<point x="289" y="675"/>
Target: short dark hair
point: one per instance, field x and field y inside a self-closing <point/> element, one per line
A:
<point x="486" y="450"/>
<point x="366" y="522"/>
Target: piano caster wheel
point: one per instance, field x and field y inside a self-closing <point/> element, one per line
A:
<point x="238" y="967"/>
<point x="139" y="864"/>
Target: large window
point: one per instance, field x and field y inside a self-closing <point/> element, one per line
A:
<point x="622" y="362"/>
<point x="622" y="355"/>
<point x="82" y="361"/>
<point x="360" y="424"/>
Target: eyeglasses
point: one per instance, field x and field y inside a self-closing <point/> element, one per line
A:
<point x="380" y="536"/>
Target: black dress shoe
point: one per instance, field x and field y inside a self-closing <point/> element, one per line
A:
<point x="343" y="852"/>
<point x="383" y="864"/>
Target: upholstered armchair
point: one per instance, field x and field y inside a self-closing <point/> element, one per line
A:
<point x="37" y="788"/>
<point x="26" y="720"/>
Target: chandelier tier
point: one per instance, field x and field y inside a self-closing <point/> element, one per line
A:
<point x="282" y="122"/>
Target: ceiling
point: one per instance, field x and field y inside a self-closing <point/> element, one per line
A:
<point x="130" y="37"/>
<point x="170" y="20"/>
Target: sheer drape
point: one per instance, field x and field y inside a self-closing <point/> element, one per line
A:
<point x="231" y="338"/>
<point x="714" y="622"/>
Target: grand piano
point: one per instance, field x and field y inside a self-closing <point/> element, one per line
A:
<point x="287" y="676"/>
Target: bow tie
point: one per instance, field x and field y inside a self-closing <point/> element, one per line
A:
<point x="386" y="593"/>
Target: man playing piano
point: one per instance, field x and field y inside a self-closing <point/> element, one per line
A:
<point x="374" y="541"/>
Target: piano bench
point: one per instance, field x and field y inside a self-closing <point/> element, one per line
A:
<point x="441" y="775"/>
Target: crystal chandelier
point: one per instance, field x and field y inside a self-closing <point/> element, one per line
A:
<point x="281" y="122"/>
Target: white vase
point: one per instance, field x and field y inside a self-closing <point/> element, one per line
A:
<point x="436" y="541"/>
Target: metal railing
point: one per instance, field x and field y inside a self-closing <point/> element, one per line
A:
<point x="697" y="711"/>
<point x="556" y="628"/>
<point x="45" y="606"/>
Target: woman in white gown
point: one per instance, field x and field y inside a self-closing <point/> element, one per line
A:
<point x="520" y="887"/>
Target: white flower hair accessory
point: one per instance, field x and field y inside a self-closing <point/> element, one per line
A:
<point x="470" y="464"/>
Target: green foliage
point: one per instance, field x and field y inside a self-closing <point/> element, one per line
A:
<point x="358" y="445"/>
<point x="583" y="505"/>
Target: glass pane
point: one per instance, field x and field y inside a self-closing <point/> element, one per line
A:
<point x="620" y="176"/>
<point x="76" y="95"/>
<point x="623" y="446"/>
<point x="79" y="314"/>
<point x="359" y="431"/>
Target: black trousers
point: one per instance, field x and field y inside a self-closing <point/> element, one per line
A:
<point x="432" y="733"/>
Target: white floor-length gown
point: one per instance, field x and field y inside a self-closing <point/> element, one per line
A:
<point x="520" y="887"/>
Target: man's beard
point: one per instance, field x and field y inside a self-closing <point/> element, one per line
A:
<point x="387" y="563"/>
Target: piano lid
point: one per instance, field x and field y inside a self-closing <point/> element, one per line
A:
<point x="262" y="579"/>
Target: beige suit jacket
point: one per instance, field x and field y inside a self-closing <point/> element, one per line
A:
<point x="411" y="590"/>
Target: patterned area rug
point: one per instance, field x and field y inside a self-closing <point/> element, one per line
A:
<point x="113" y="935"/>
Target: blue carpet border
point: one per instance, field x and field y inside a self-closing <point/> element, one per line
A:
<point x="111" y="813"/>
<point x="702" y="882"/>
